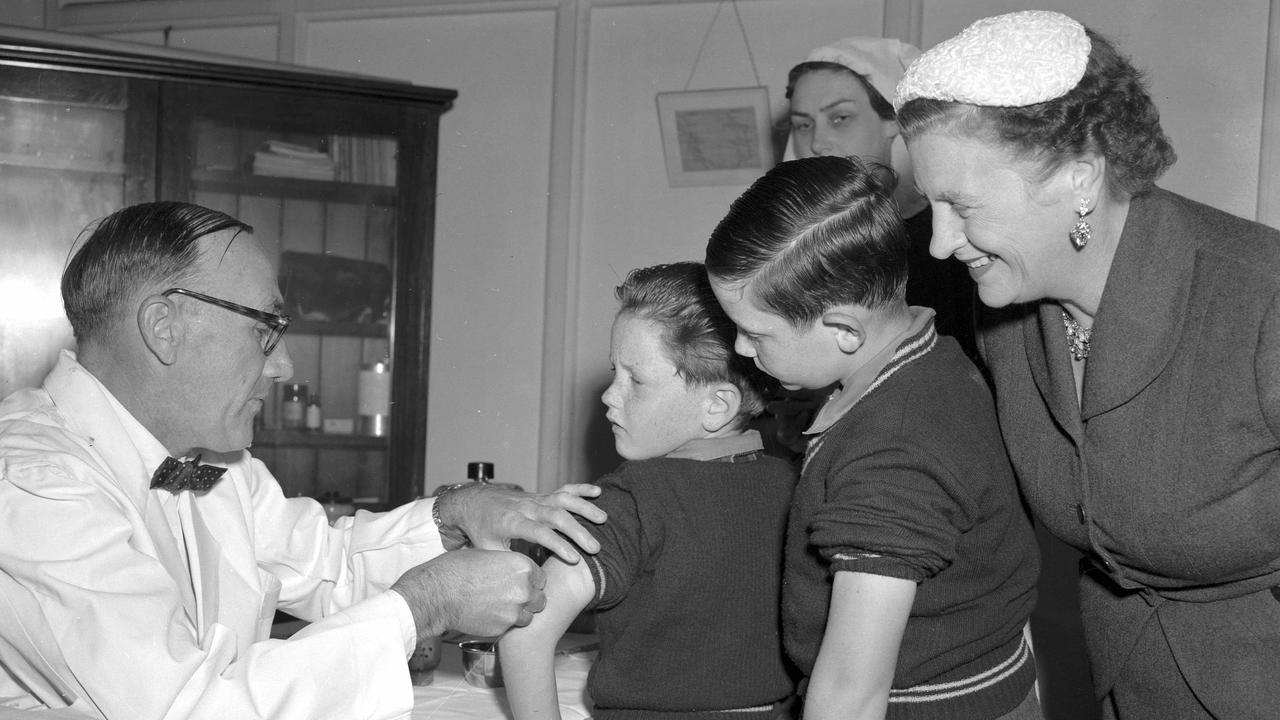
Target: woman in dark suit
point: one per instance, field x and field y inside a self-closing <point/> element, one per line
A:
<point x="1135" y="350"/>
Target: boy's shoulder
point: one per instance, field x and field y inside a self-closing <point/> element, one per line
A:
<point x="666" y="476"/>
<point x="674" y="468"/>
<point x="946" y="360"/>
<point x="939" y="396"/>
<point x="943" y="375"/>
<point x="938" y="414"/>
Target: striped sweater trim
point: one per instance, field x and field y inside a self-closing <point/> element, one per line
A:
<point x="597" y="574"/>
<point x="913" y="348"/>
<point x="965" y="686"/>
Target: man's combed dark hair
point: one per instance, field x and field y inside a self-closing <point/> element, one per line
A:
<point x="697" y="335"/>
<point x="1109" y="112"/>
<point x="141" y="245"/>
<point x="813" y="234"/>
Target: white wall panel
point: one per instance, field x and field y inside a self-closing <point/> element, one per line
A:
<point x="257" y="42"/>
<point x="491" y="217"/>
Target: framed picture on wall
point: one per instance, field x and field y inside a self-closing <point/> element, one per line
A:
<point x="716" y="137"/>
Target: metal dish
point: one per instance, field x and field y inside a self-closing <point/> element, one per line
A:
<point x="480" y="663"/>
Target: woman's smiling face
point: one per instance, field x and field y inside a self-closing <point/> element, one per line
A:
<point x="989" y="213"/>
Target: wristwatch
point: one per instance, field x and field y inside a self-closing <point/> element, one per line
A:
<point x="439" y="493"/>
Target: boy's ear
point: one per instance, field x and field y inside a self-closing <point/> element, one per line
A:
<point x="721" y="406"/>
<point x="889" y="128"/>
<point x="848" y="330"/>
<point x="160" y="328"/>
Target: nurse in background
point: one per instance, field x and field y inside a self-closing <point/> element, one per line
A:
<point x="839" y="105"/>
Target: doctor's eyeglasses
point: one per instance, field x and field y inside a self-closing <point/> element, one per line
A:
<point x="276" y="324"/>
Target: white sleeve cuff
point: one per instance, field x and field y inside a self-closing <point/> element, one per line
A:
<point x="392" y="604"/>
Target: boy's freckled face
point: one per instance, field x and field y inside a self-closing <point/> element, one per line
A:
<point x="796" y="357"/>
<point x="652" y="410"/>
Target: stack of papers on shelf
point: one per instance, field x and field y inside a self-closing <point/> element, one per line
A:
<point x="283" y="159"/>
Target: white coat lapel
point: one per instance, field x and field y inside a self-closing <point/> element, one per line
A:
<point x="116" y="439"/>
<point x="202" y="553"/>
<point x="167" y="551"/>
<point x="226" y="593"/>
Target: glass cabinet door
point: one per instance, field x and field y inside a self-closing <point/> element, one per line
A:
<point x="335" y="172"/>
<point x="69" y="154"/>
<point x="317" y="179"/>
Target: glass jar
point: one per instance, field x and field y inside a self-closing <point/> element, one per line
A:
<point x="293" y="406"/>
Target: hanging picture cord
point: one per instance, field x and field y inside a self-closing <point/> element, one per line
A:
<point x="741" y="28"/>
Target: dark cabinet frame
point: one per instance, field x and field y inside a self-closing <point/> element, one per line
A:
<point x="159" y="161"/>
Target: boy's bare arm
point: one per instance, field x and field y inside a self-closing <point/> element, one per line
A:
<point x="859" y="654"/>
<point x="527" y="653"/>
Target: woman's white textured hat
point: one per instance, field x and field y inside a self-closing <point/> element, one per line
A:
<point x="881" y="60"/>
<point x="1010" y="60"/>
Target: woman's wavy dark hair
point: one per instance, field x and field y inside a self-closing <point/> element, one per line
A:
<point x="1109" y="112"/>
<point x="147" y="244"/>
<point x="813" y="234"/>
<point x="696" y="333"/>
<point x="879" y="104"/>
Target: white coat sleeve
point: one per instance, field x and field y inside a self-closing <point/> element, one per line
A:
<point x="117" y="613"/>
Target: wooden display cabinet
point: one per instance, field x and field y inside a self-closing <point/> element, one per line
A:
<point x="338" y="170"/>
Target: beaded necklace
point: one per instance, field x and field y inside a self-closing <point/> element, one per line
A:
<point x="1077" y="337"/>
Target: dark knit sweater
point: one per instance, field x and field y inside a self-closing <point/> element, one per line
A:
<point x="687" y="583"/>
<point x="913" y="482"/>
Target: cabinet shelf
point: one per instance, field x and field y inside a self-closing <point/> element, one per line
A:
<point x="345" y="329"/>
<point x="276" y="438"/>
<point x="294" y="188"/>
<point x="58" y="164"/>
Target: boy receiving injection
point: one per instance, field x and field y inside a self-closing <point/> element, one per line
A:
<point x="910" y="563"/>
<point x="686" y="585"/>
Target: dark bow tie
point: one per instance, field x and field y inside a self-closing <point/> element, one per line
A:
<point x="178" y="475"/>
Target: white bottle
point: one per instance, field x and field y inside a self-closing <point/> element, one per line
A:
<point x="373" y="398"/>
<point x="315" y="417"/>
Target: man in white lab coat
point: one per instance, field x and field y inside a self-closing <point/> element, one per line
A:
<point x="134" y="584"/>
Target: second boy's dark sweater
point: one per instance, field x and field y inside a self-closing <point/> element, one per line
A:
<point x="913" y="482"/>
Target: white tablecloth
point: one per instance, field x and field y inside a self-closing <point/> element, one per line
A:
<point x="450" y="697"/>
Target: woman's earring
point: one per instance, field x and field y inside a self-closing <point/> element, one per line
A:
<point x="1082" y="232"/>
